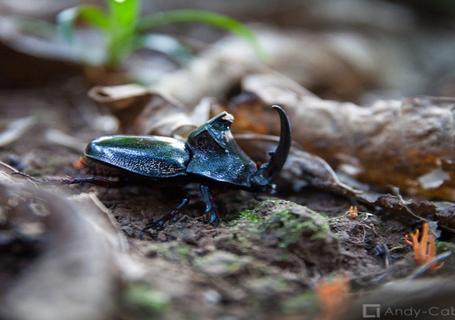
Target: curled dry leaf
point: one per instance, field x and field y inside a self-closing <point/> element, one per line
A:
<point x="409" y="138"/>
<point x="140" y="111"/>
<point x="441" y="211"/>
<point x="73" y="267"/>
<point x="301" y="168"/>
<point x="126" y="102"/>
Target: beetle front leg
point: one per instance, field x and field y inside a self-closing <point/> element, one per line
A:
<point x="210" y="213"/>
<point x="57" y="180"/>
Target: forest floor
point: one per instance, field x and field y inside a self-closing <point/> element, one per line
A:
<point x="263" y="261"/>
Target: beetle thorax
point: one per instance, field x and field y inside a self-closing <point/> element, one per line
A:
<point x="215" y="154"/>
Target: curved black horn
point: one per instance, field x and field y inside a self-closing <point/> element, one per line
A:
<point x="279" y="156"/>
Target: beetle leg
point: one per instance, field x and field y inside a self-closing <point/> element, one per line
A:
<point x="96" y="180"/>
<point x="159" y="224"/>
<point x="210" y="213"/>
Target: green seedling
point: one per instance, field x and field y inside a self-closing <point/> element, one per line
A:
<point x="124" y="31"/>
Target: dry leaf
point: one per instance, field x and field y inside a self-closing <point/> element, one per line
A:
<point x="409" y="138"/>
<point x="301" y="168"/>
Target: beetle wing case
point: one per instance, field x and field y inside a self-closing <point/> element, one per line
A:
<point x="216" y="155"/>
<point x="151" y="156"/>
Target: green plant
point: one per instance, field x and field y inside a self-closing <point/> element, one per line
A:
<point x="125" y="31"/>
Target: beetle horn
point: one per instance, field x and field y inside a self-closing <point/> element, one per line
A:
<point x="279" y="156"/>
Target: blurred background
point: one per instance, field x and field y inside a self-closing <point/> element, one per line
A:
<point x="353" y="49"/>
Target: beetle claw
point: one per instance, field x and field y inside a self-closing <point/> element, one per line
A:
<point x="212" y="218"/>
<point x="210" y="214"/>
<point x="170" y="217"/>
<point x="157" y="225"/>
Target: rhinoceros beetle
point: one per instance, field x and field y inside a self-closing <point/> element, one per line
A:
<point x="210" y="156"/>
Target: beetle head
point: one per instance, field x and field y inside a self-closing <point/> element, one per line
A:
<point x="266" y="172"/>
<point x="218" y="128"/>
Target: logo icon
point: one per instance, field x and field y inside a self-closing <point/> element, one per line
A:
<point x="371" y="311"/>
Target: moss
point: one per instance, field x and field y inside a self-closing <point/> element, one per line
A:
<point x="249" y="216"/>
<point x="184" y="251"/>
<point x="233" y="267"/>
<point x="290" y="227"/>
<point x="282" y="285"/>
<point x="174" y="251"/>
<point x="221" y="263"/>
<point x="144" y="299"/>
<point x="243" y="241"/>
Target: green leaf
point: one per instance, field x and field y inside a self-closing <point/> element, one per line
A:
<point x="201" y="16"/>
<point x="123" y="15"/>
<point x="89" y="14"/>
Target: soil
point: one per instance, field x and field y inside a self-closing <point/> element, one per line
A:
<point x="262" y="262"/>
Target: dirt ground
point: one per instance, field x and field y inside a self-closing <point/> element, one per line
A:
<point x="262" y="262"/>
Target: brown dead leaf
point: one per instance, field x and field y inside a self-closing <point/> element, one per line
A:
<point x="299" y="55"/>
<point x="441" y="211"/>
<point x="145" y="113"/>
<point x="301" y="168"/>
<point x="410" y="139"/>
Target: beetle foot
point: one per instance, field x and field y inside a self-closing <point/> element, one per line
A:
<point x="210" y="214"/>
<point x="171" y="216"/>
<point x="212" y="218"/>
<point x="157" y="225"/>
<point x="161" y="223"/>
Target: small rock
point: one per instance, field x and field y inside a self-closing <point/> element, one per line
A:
<point x="212" y="296"/>
<point x="221" y="263"/>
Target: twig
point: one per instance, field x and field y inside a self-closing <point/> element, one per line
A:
<point x="430" y="264"/>
<point x="15" y="130"/>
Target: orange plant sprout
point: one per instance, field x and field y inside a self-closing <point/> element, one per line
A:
<point x="332" y="297"/>
<point x="353" y="212"/>
<point x="78" y="164"/>
<point x="424" y="248"/>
